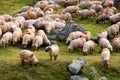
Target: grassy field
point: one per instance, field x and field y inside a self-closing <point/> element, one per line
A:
<point x="11" y="68"/>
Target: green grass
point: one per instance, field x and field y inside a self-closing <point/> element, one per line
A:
<point x="11" y="68"/>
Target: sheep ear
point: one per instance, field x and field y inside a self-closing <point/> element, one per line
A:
<point x="31" y="55"/>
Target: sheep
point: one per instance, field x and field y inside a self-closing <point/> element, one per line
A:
<point x="114" y="18"/>
<point x="66" y="16"/>
<point x="17" y="35"/>
<point x="24" y="9"/>
<point x="72" y="2"/>
<point x="113" y="30"/>
<point x="29" y="22"/>
<point x="7" y="17"/>
<point x="3" y="27"/>
<point x="86" y="13"/>
<point x="104" y="43"/>
<point x="96" y="7"/>
<point x="58" y="25"/>
<point x="46" y="41"/>
<point x="53" y="51"/>
<point x="76" y="43"/>
<point x="73" y="35"/>
<point x="37" y="41"/>
<point x="107" y="3"/>
<point x="26" y="40"/>
<point x="6" y="39"/>
<point x="71" y="9"/>
<point x="84" y="4"/>
<point x="105" y="56"/>
<point x="48" y="12"/>
<point x="41" y="4"/>
<point x="28" y="55"/>
<point x="87" y="35"/>
<point x="102" y="34"/>
<point x="88" y="47"/>
<point x="53" y="6"/>
<point x="49" y="27"/>
<point x="116" y="43"/>
<point x="23" y="14"/>
<point x="60" y="2"/>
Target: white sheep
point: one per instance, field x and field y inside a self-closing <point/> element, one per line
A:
<point x="28" y="55"/>
<point x="102" y="34"/>
<point x="105" y="56"/>
<point x="104" y="43"/>
<point x="53" y="51"/>
<point x="116" y="43"/>
<point x="88" y="47"/>
<point x="37" y="41"/>
<point x="6" y="39"/>
<point x="76" y="43"/>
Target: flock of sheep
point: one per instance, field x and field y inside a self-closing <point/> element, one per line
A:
<point x="32" y="23"/>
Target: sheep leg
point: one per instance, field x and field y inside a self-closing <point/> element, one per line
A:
<point x="55" y="57"/>
<point x="50" y="57"/>
<point x="22" y="62"/>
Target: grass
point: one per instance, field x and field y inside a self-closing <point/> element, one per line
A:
<point x="11" y="68"/>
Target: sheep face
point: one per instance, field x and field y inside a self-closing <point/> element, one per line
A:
<point x="85" y="52"/>
<point x="110" y="48"/>
<point x="34" y="47"/>
<point x="47" y="49"/>
<point x="106" y="63"/>
<point x="70" y="49"/>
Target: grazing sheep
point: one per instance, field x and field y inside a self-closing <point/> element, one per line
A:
<point x="53" y="6"/>
<point x="114" y="18"/>
<point x="113" y="30"/>
<point x="17" y="35"/>
<point x="24" y="9"/>
<point x="102" y="34"/>
<point x="7" y="17"/>
<point x="53" y="51"/>
<point x="66" y="16"/>
<point x="76" y="43"/>
<point x="71" y="9"/>
<point x="88" y="47"/>
<point x="49" y="27"/>
<point x="3" y="26"/>
<point x="28" y="55"/>
<point x="23" y="14"/>
<point x="87" y="35"/>
<point x="104" y="43"/>
<point x="72" y="2"/>
<point x="107" y="3"/>
<point x="116" y="43"/>
<point x="37" y="41"/>
<point x="60" y="2"/>
<point x="29" y="22"/>
<point x="6" y="39"/>
<point x="73" y="35"/>
<point x="41" y="4"/>
<point x="84" y="4"/>
<point x="105" y="56"/>
<point x="46" y="41"/>
<point x="96" y="7"/>
<point x="49" y="12"/>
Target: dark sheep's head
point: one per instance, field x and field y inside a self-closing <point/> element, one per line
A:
<point x="47" y="49"/>
<point x="24" y="46"/>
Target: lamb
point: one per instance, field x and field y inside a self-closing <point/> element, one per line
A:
<point x="6" y="39"/>
<point x="104" y="43"/>
<point x="46" y="41"/>
<point x="17" y="35"/>
<point x="28" y="55"/>
<point x="116" y="43"/>
<point x="76" y="43"/>
<point x="88" y="47"/>
<point x="105" y="56"/>
<point x="53" y="51"/>
<point x="37" y="41"/>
